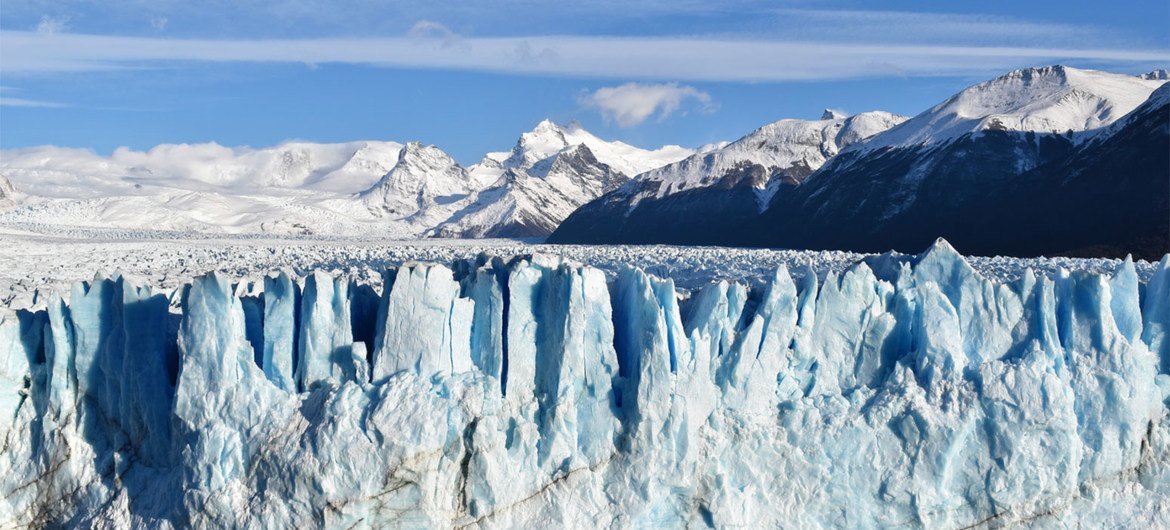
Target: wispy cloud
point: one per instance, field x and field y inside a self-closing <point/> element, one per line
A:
<point x="6" y="101"/>
<point x="602" y="57"/>
<point x="632" y="103"/>
<point x="937" y="28"/>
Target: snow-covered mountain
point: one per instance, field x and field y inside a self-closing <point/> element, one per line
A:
<point x="425" y="187"/>
<point x="532" y="202"/>
<point x="291" y="188"/>
<point x="551" y="171"/>
<point x="1053" y="99"/>
<point x="611" y="191"/>
<point x="732" y="181"/>
<point x="549" y="138"/>
<point x="402" y="191"/>
<point x="79" y="173"/>
<point x="786" y="149"/>
<point x="951" y="171"/>
<point x="1000" y="150"/>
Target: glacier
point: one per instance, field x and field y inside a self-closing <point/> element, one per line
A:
<point x="533" y="391"/>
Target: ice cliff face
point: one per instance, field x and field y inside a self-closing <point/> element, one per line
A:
<point x="535" y="392"/>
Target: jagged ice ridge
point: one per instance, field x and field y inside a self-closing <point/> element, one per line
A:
<point x="534" y="391"/>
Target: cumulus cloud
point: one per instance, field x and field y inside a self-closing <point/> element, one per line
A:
<point x="632" y="103"/>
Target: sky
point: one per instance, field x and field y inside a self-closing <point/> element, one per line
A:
<point x="471" y="76"/>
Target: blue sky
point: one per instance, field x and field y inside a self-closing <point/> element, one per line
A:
<point x="469" y="77"/>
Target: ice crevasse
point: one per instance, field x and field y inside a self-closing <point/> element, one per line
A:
<point x="534" y="392"/>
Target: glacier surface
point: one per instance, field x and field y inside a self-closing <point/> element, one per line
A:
<point x="536" y="392"/>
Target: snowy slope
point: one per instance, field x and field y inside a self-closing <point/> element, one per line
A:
<point x="532" y="202"/>
<point x="795" y="148"/>
<point x="8" y="194"/>
<point x="548" y="138"/>
<point x="299" y="187"/>
<point x="425" y="187"/>
<point x="287" y="189"/>
<point x="78" y="173"/>
<point x="706" y="193"/>
<point x="908" y="184"/>
<point x="1052" y="99"/>
<point x="550" y="172"/>
<point x="1020" y="184"/>
<point x="535" y="392"/>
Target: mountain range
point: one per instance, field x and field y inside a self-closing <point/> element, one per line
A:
<point x="1052" y="160"/>
<point x="388" y="189"/>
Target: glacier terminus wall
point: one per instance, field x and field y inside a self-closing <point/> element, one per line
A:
<point x="534" y="392"/>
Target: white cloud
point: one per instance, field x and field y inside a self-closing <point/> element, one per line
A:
<point x="6" y="101"/>
<point x="632" y="103"/>
<point x="645" y="58"/>
<point x="50" y="25"/>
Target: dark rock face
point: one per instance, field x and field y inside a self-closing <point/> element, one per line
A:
<point x="700" y="216"/>
<point x="993" y="193"/>
<point x="1099" y="193"/>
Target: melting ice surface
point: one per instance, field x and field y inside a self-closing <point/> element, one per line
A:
<point x="535" y="392"/>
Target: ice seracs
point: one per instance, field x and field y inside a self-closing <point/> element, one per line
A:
<point x="530" y="390"/>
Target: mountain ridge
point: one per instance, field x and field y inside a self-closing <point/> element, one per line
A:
<point x="884" y="193"/>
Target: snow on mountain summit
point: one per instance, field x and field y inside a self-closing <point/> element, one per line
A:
<point x="1052" y="99"/>
<point x="790" y="146"/>
<point x="550" y="172"/>
<point x="833" y="114"/>
<point x="426" y="186"/>
<point x="549" y="138"/>
<point x="532" y="201"/>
